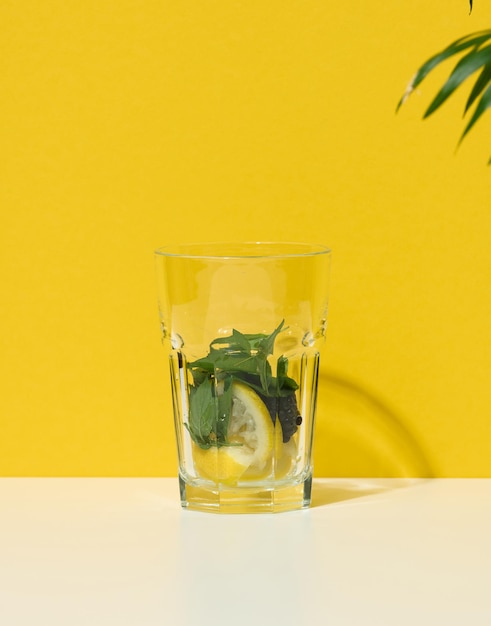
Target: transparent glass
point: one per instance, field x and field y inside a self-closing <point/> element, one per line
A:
<point x="243" y="324"/>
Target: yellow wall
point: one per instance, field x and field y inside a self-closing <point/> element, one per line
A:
<point x="127" y="125"/>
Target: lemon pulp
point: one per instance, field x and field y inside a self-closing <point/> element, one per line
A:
<point x="254" y="442"/>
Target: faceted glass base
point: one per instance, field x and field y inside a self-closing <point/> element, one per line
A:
<point x="218" y="498"/>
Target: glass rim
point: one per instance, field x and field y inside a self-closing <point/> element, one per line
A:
<point x="250" y="250"/>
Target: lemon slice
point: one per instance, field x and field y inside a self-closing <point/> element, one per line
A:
<point x="281" y="463"/>
<point x="252" y="437"/>
<point x="285" y="455"/>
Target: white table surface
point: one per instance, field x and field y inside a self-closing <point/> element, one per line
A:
<point x="104" y="552"/>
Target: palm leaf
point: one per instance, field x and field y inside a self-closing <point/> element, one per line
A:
<point x="480" y="84"/>
<point x="483" y="104"/>
<point x="474" y="40"/>
<point x="469" y="64"/>
<point x="477" y="58"/>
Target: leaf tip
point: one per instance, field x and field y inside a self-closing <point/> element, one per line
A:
<point x="407" y="92"/>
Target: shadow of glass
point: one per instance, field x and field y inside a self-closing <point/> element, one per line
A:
<point x="339" y="490"/>
<point x="360" y="435"/>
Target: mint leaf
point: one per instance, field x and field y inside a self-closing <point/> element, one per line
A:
<point x="238" y="356"/>
<point x="209" y="412"/>
<point x="241" y="342"/>
<point x="282" y="367"/>
<point x="264" y="371"/>
<point x="266" y="345"/>
<point x="285" y="383"/>
<point x="236" y="342"/>
<point x="228" y="362"/>
<point x="202" y="412"/>
<point x="224" y="410"/>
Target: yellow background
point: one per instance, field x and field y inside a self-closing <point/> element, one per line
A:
<point x="126" y="125"/>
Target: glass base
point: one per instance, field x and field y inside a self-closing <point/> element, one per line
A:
<point x="217" y="498"/>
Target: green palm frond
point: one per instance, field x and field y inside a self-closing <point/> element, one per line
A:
<point x="476" y="51"/>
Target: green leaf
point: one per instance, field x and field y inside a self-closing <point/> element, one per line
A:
<point x="285" y="383"/>
<point x="236" y="341"/>
<point x="483" y="104"/>
<point x="264" y="370"/>
<point x="249" y="342"/>
<point x="469" y="64"/>
<point x="252" y="380"/>
<point x="236" y="362"/>
<point x="282" y="367"/>
<point x="469" y="41"/>
<point x="237" y="356"/>
<point x="224" y="410"/>
<point x="199" y="376"/>
<point x="209" y="413"/>
<point x="202" y="412"/>
<point x="475" y="59"/>
<point x="266" y="345"/>
<point x="226" y="361"/>
<point x="483" y="80"/>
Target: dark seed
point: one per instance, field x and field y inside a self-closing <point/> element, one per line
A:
<point x="299" y="420"/>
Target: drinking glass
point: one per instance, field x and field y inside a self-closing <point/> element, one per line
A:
<point x="243" y="325"/>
